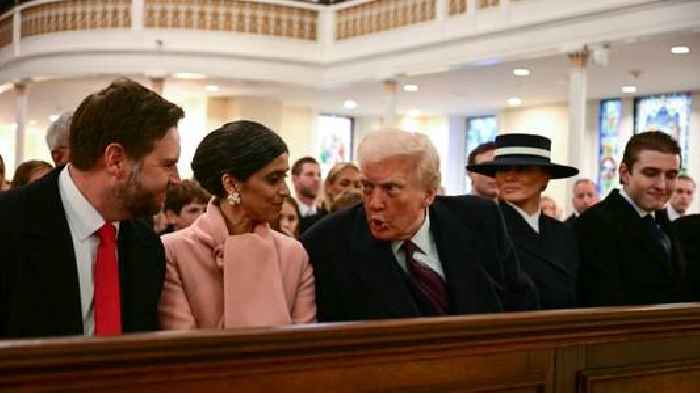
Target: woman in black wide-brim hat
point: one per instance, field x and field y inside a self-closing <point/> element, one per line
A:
<point x="547" y="248"/>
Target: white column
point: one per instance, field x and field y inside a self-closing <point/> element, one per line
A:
<point x="137" y="12"/>
<point x="471" y="7"/>
<point x="390" y="99"/>
<point x="441" y="9"/>
<point x="326" y="30"/>
<point x="21" y="120"/>
<point x="16" y="31"/>
<point x="577" y="110"/>
<point x="157" y="84"/>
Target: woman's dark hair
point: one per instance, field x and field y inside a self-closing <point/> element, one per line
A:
<point x="26" y="170"/>
<point x="239" y="148"/>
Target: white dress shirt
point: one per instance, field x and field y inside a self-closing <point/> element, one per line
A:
<point x="642" y="213"/>
<point x="306" y="210"/>
<point x="532" y="220"/>
<point x="673" y="214"/>
<point x="83" y="221"/>
<point x="425" y="242"/>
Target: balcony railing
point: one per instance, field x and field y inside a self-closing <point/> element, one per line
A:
<point x="232" y="16"/>
<point x="382" y="15"/>
<point x="74" y="15"/>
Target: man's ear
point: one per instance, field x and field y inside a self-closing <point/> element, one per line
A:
<point x="429" y="197"/>
<point x="625" y="173"/>
<point x="115" y="159"/>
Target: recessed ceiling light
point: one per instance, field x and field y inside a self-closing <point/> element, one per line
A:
<point x="514" y="101"/>
<point x="521" y="72"/>
<point x="53" y="117"/>
<point x="212" y="88"/>
<point x="680" y="50"/>
<point x="629" y="89"/>
<point x="350" y="104"/>
<point x="410" y="87"/>
<point x="189" y="75"/>
<point x="32" y="122"/>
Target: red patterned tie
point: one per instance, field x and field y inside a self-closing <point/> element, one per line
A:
<point x="428" y="282"/>
<point x="108" y="320"/>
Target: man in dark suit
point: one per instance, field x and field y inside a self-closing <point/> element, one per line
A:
<point x="546" y="247"/>
<point x="74" y="262"/>
<point x="406" y="252"/>
<point x="688" y="231"/>
<point x="629" y="252"/>
<point x="584" y="196"/>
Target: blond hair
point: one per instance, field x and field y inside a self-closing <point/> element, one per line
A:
<point x="331" y="178"/>
<point x="384" y="144"/>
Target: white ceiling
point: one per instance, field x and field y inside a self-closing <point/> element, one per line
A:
<point x="468" y="91"/>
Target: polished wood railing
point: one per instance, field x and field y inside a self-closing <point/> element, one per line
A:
<point x="6" y="30"/>
<point x="622" y="350"/>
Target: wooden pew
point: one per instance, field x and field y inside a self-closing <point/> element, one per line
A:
<point x="638" y="349"/>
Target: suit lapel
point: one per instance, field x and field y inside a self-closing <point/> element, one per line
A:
<point x="459" y="258"/>
<point x="631" y="222"/>
<point x="50" y="267"/>
<point x="375" y="264"/>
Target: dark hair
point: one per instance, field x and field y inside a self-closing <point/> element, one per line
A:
<point x="25" y="171"/>
<point x="125" y="113"/>
<point x="2" y="169"/>
<point x="239" y="148"/>
<point x="482" y="148"/>
<point x="276" y="225"/>
<point x="184" y="193"/>
<point x="686" y="178"/>
<point x="652" y="140"/>
<point x="299" y="164"/>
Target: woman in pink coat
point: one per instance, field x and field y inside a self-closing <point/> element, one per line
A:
<point x="229" y="269"/>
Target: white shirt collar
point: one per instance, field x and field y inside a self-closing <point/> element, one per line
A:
<point x="422" y="238"/>
<point x="306" y="210"/>
<point x="673" y="214"/>
<point x="642" y="213"/>
<point x="532" y="220"/>
<point x="84" y="219"/>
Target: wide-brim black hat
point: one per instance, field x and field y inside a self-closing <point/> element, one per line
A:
<point x="523" y="150"/>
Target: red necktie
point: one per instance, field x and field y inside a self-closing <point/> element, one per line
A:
<point x="428" y="282"/>
<point x="108" y="320"/>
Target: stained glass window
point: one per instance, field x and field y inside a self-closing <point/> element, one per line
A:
<point x="668" y="113"/>
<point x="335" y="141"/>
<point x="610" y="144"/>
<point x="480" y="129"/>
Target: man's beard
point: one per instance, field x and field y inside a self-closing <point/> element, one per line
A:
<point x="307" y="192"/>
<point x="138" y="201"/>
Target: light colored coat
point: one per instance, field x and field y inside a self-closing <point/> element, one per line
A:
<point x="215" y="280"/>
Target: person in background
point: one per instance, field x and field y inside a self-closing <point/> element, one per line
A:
<point x="288" y="219"/>
<point x="306" y="179"/>
<point x="346" y="199"/>
<point x="681" y="197"/>
<point x="184" y="203"/>
<point x="57" y="138"/>
<point x="96" y="269"/>
<point x="549" y="207"/>
<point x="229" y="269"/>
<point x="29" y="172"/>
<point x="405" y="252"/>
<point x="4" y="185"/>
<point x="482" y="185"/>
<point x="342" y="176"/>
<point x="629" y="251"/>
<point x="546" y="247"/>
<point x="585" y="196"/>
